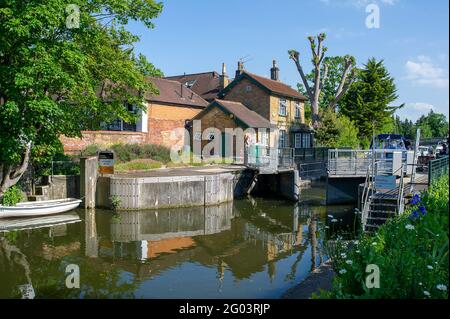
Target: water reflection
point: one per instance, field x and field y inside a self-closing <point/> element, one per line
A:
<point x="247" y="249"/>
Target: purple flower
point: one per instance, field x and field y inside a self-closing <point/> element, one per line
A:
<point x="415" y="214"/>
<point x="423" y="210"/>
<point x="415" y="200"/>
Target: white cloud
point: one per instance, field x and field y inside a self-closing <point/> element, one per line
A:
<point x="422" y="71"/>
<point x="419" y="106"/>
<point x="412" y="111"/>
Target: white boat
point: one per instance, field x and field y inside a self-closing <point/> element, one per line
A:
<point x="42" y="208"/>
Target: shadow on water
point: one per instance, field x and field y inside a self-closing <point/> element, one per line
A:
<point x="251" y="248"/>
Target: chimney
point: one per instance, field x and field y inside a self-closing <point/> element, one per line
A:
<point x="240" y="68"/>
<point x="224" y="80"/>
<point x="275" y="72"/>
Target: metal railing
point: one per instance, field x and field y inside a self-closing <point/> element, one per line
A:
<point x="437" y="168"/>
<point x="356" y="162"/>
<point x="313" y="154"/>
<point x="261" y="157"/>
<point x="314" y="169"/>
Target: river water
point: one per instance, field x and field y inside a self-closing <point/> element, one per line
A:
<point x="250" y="248"/>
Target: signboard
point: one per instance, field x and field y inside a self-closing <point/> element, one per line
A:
<point x="106" y="162"/>
<point x="385" y="182"/>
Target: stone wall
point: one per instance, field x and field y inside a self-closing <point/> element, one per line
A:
<point x="64" y="186"/>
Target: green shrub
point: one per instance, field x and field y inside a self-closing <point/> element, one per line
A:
<point x="411" y="252"/>
<point x="91" y="150"/>
<point x="12" y="196"/>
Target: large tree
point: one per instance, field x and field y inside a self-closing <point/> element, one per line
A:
<point x="321" y="78"/>
<point x="65" y="66"/>
<point x="368" y="101"/>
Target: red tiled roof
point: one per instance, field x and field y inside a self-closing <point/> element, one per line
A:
<point x="206" y="84"/>
<point x="173" y="92"/>
<point x="249" y="117"/>
<point x="272" y="86"/>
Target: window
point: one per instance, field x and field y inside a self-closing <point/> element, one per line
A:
<point x="297" y="110"/>
<point x="248" y="88"/>
<point x="263" y="138"/>
<point x="298" y="140"/>
<point x="306" y="140"/>
<point x="302" y="140"/>
<point x="282" y="139"/>
<point x="283" y="107"/>
<point x="190" y="83"/>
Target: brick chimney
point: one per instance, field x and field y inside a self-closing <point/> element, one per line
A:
<point x="275" y="72"/>
<point x="240" y="68"/>
<point x="224" y="80"/>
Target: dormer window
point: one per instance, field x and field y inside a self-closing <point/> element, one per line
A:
<point x="282" y="110"/>
<point x="189" y="83"/>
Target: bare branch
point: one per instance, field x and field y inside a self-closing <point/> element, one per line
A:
<point x="294" y="55"/>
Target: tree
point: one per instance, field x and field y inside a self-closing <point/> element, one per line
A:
<point x="436" y="122"/>
<point x="63" y="70"/>
<point x="314" y="87"/>
<point x="336" y="131"/>
<point x="367" y="102"/>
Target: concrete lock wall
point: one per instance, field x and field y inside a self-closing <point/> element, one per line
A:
<point x="166" y="192"/>
<point x="64" y="186"/>
<point x="343" y="190"/>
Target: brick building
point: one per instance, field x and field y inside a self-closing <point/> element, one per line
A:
<point x="169" y="110"/>
<point x="222" y="115"/>
<point x="277" y="102"/>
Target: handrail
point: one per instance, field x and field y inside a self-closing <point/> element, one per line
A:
<point x="401" y="189"/>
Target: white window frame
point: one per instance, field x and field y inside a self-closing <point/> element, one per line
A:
<point x="282" y="138"/>
<point x="298" y="113"/>
<point x="282" y="107"/>
<point x="298" y="140"/>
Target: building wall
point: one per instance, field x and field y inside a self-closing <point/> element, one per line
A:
<point x="103" y="138"/>
<point x="217" y="118"/>
<point x="267" y="105"/>
<point x="255" y="99"/>
<point x="164" y="119"/>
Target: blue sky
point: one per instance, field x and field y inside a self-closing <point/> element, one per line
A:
<point x="198" y="35"/>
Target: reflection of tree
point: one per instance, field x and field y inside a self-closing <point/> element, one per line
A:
<point x="12" y="260"/>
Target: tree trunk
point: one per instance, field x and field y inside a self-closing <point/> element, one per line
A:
<point x="11" y="174"/>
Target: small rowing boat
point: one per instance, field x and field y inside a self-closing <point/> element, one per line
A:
<point x="42" y="208"/>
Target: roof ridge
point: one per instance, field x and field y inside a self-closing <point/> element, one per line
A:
<point x="176" y="76"/>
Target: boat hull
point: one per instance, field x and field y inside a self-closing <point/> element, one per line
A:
<point x="30" y="209"/>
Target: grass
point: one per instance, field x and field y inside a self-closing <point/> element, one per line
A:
<point x="137" y="165"/>
<point x="411" y="253"/>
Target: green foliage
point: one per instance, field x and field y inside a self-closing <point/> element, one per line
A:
<point x="411" y="252"/>
<point x="434" y="125"/>
<point x="336" y="131"/>
<point x="57" y="80"/>
<point x="406" y="128"/>
<point x="129" y="152"/>
<point x="115" y="202"/>
<point x="12" y="196"/>
<point x="137" y="165"/>
<point x="367" y="102"/>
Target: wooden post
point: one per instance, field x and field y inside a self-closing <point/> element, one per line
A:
<point x="88" y="180"/>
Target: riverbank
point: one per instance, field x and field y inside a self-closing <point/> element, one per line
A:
<point x="319" y="279"/>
